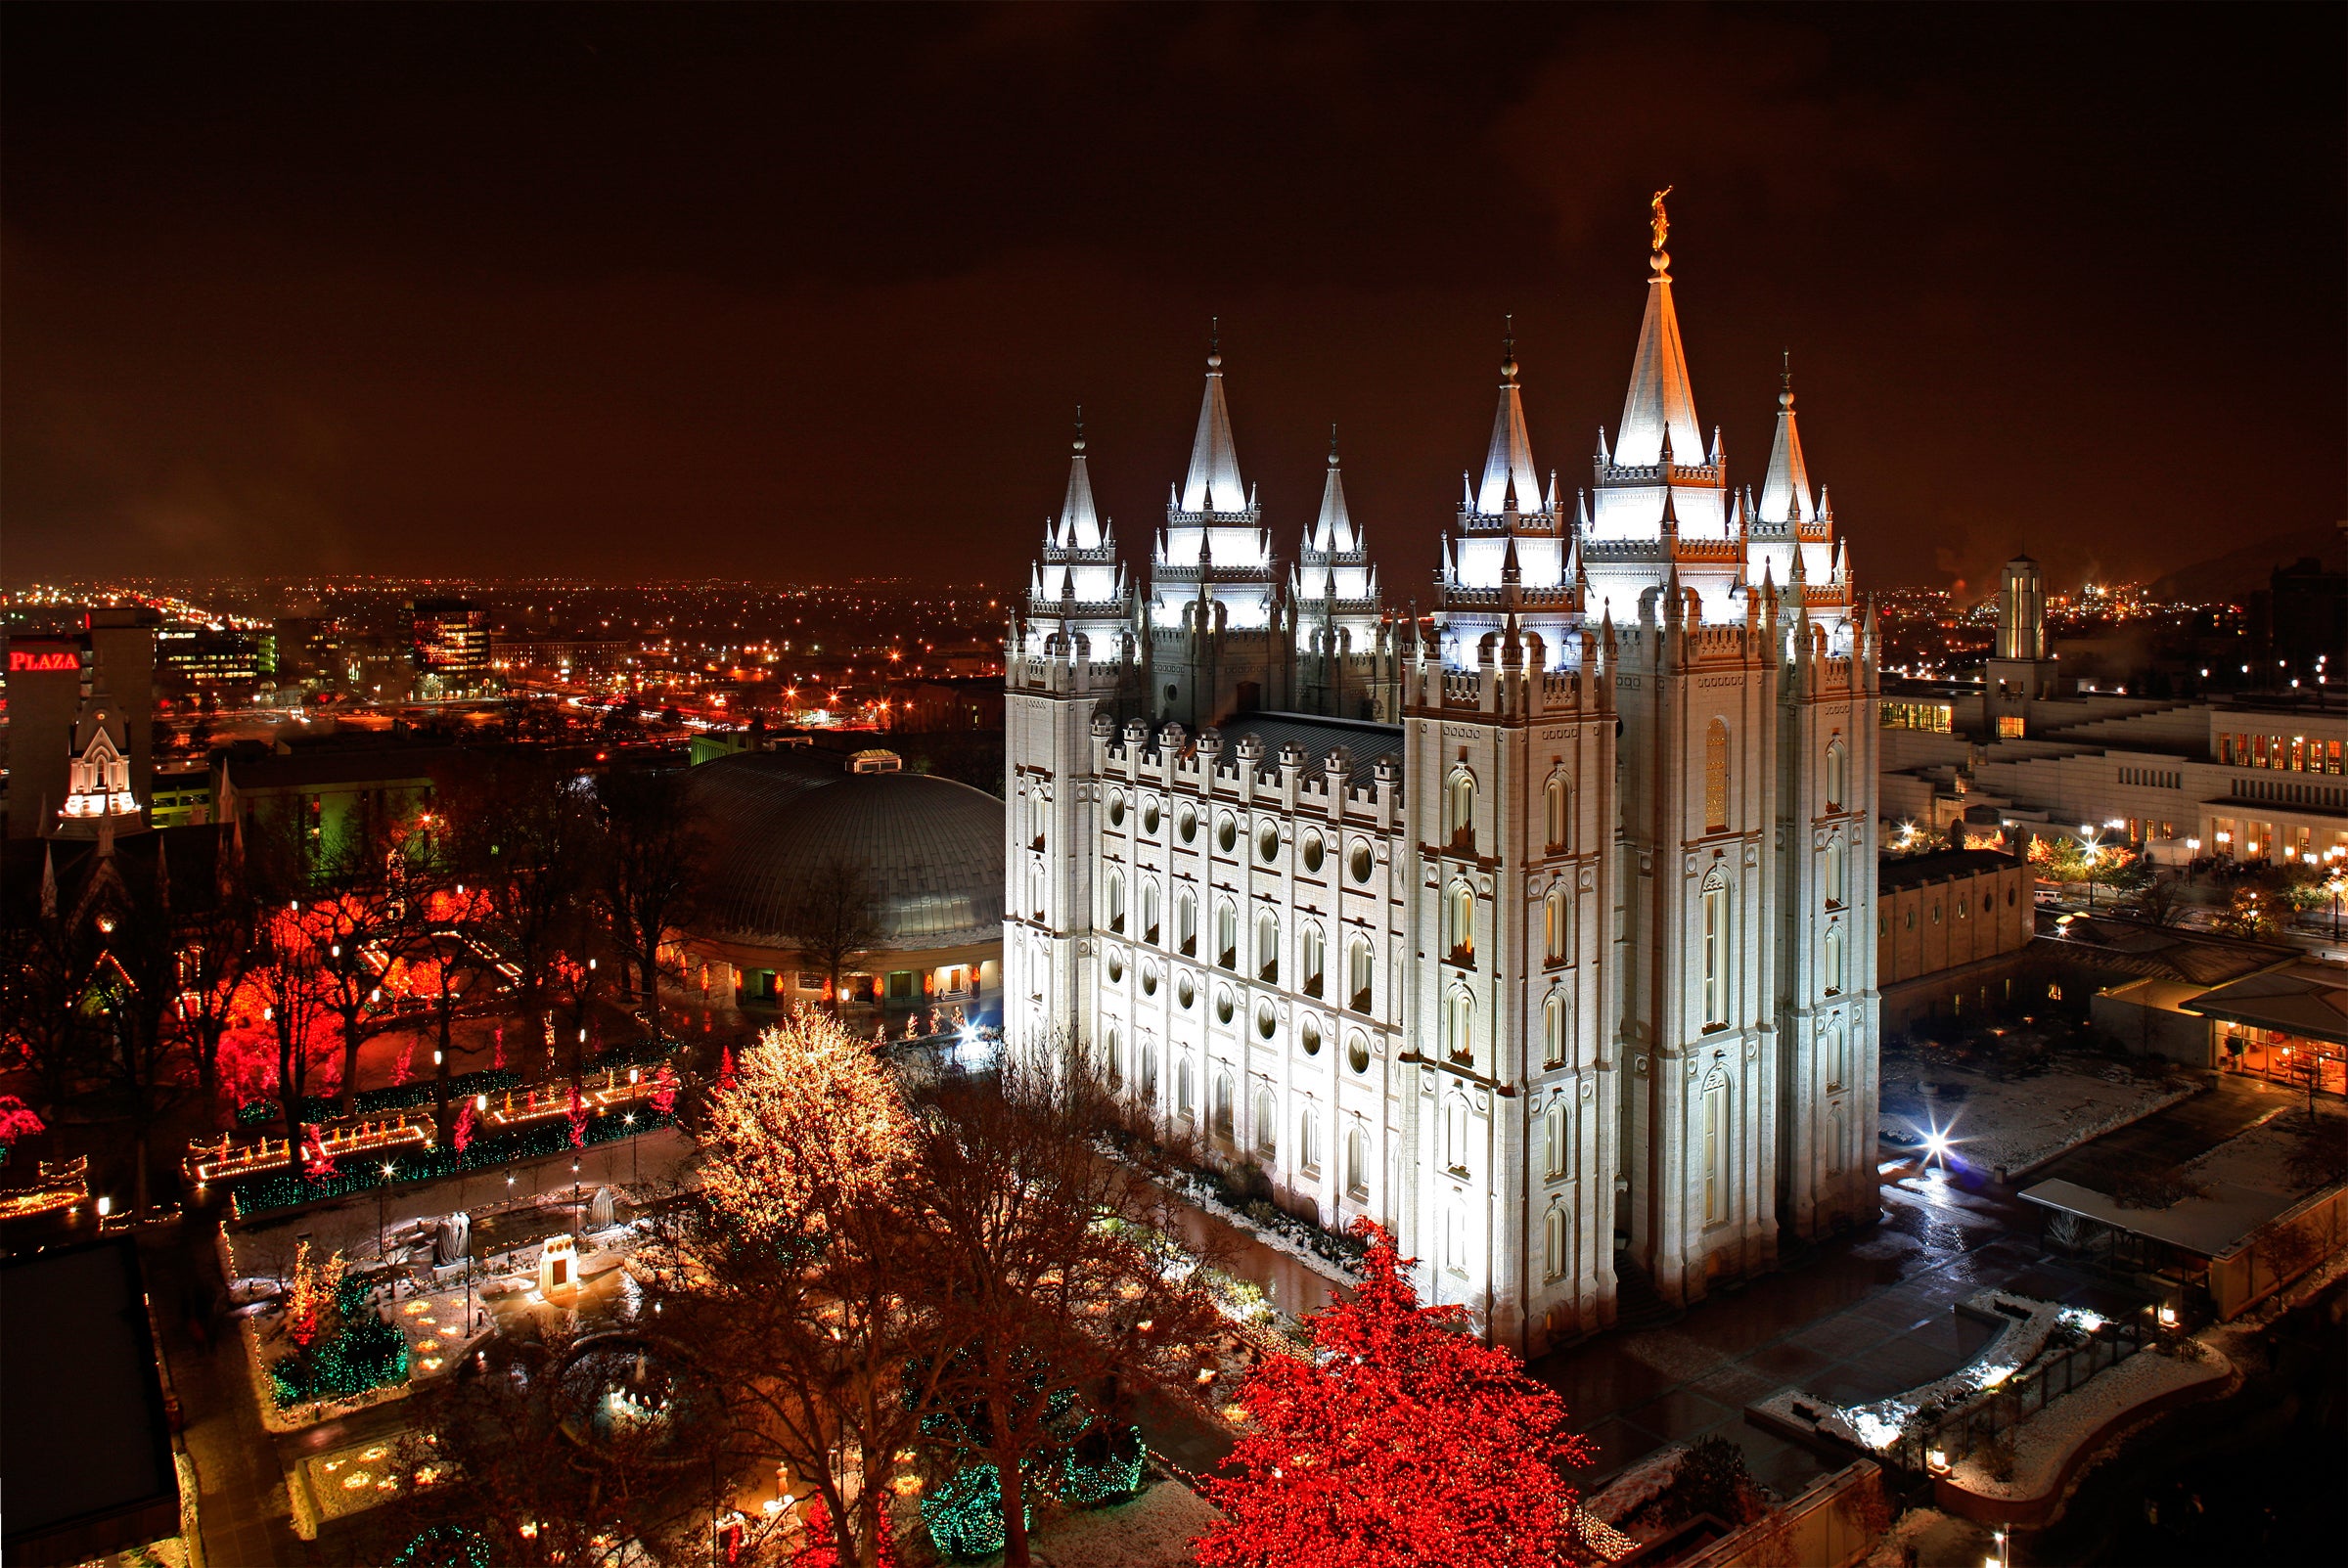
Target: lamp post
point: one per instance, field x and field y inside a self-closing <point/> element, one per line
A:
<point x="2087" y="836"/>
<point x="2193" y="859"/>
<point x="633" y="1169"/>
<point x="382" y="1197"/>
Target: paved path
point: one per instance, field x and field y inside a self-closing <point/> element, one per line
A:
<point x="1864" y="1316"/>
<point x="2173" y="1136"/>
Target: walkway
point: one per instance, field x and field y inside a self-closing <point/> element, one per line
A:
<point x="1865" y="1316"/>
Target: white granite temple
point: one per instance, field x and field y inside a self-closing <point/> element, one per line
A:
<point x="1539" y="929"/>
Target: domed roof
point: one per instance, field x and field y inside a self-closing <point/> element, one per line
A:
<point x="933" y="848"/>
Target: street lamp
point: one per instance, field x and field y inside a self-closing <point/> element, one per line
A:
<point x="383" y="1196"/>
<point x="2193" y="857"/>
<point x="2087" y="834"/>
<point x="631" y="1120"/>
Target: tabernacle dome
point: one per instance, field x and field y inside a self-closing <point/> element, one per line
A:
<point x="931" y="850"/>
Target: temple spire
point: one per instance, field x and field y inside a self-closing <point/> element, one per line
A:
<point x="1079" y="520"/>
<point x="1659" y="398"/>
<point x="1509" y="471"/>
<point x="1785" y="490"/>
<point x="1333" y="531"/>
<point x="1213" y="484"/>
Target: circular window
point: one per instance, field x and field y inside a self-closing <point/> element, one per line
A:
<point x="1267" y="843"/>
<point x="1223" y="1004"/>
<point x="1267" y="1020"/>
<point x="1149" y="817"/>
<point x="1312" y="852"/>
<point x="1186" y="823"/>
<point x="1116" y="808"/>
<point x="1116" y="965"/>
<point x="1149" y="980"/>
<point x="1308" y="1035"/>
<point x="1185" y="992"/>
<point x="1357" y="1051"/>
<point x="1361" y="862"/>
<point x="1227" y="832"/>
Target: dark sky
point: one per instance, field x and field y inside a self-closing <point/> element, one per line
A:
<point x="797" y="294"/>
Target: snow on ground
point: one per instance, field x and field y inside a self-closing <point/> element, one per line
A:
<point x="2025" y="1121"/>
<point x="2254" y="1157"/>
<point x="1154" y="1530"/>
<point x="2044" y="1442"/>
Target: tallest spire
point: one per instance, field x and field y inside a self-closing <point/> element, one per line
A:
<point x="1214" y="485"/>
<point x="1660" y="398"/>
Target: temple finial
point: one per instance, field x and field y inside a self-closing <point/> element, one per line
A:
<point x="1659" y="221"/>
<point x="1214" y="342"/>
<point x="1079" y="443"/>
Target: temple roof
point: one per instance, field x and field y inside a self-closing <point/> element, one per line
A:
<point x="1787" y="483"/>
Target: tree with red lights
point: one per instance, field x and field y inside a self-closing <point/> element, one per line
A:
<point x="1402" y="1441"/>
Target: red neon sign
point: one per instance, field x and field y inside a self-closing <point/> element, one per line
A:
<point x="23" y="661"/>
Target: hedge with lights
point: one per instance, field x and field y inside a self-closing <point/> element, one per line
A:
<point x="321" y="1109"/>
<point x="444" y="1545"/>
<point x="283" y="1190"/>
<point x="1105" y="1466"/>
<point x="965" y="1514"/>
<point x="363" y="1352"/>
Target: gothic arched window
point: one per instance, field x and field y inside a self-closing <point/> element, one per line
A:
<point x="1149" y="911"/>
<point x="1035" y="891"/>
<point x="1718" y="1136"/>
<point x="1361" y="968"/>
<point x="1267" y="946"/>
<point x="1308" y="1140"/>
<point x="1186" y="922"/>
<point x="1715" y="967"/>
<point x="1716" y="777"/>
<point x="1552" y="1139"/>
<point x="1555" y="800"/>
<point x="1222" y="1107"/>
<point x="1556" y="923"/>
<point x="1116" y="901"/>
<point x="1838" y="774"/>
<point x="1553" y="1243"/>
<point x="1357" y="1162"/>
<point x="1834" y="871"/>
<point x="1455" y="1133"/>
<point x="1459" y="923"/>
<point x="1838" y="1054"/>
<point x="1267" y="1123"/>
<point x="1459" y="1024"/>
<point x="1830" y="961"/>
<point x="1227" y="933"/>
<point x="1458" y="810"/>
<point x="1312" y="957"/>
<point x="1553" y="1029"/>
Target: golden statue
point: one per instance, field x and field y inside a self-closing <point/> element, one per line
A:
<point x="1661" y="223"/>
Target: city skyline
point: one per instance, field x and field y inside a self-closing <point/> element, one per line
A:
<point x="507" y="309"/>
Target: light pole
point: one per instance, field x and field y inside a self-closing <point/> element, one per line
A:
<point x="383" y="1196"/>
<point x="633" y="1168"/>
<point x="2087" y="836"/>
<point x="2193" y="859"/>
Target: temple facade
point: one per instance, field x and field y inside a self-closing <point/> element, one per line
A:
<point x="1538" y="927"/>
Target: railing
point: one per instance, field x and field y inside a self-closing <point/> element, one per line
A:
<point x="2027" y="1392"/>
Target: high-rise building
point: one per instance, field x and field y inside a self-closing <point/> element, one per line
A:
<point x="451" y="642"/>
<point x="1540" y="931"/>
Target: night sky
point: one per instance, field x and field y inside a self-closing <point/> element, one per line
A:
<point x="800" y="295"/>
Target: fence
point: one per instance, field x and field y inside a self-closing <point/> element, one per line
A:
<point x="1959" y="1433"/>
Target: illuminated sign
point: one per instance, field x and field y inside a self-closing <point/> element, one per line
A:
<point x="37" y="658"/>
